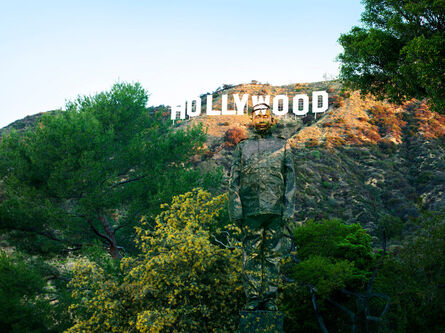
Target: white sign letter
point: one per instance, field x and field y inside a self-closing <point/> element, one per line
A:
<point x="319" y="101"/>
<point x="197" y="112"/>
<point x="240" y="104"/>
<point x="260" y="99"/>
<point x="276" y="105"/>
<point x="224" y="110"/>
<point x="180" y="109"/>
<point x="305" y="105"/>
<point x="210" y="110"/>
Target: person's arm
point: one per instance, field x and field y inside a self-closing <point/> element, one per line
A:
<point x="235" y="206"/>
<point x="290" y="186"/>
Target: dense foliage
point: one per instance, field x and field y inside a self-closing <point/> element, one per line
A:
<point x="31" y="300"/>
<point x="20" y="287"/>
<point x="333" y="256"/>
<point x="400" y="51"/>
<point x="181" y="282"/>
<point x="88" y="173"/>
<point x="414" y="276"/>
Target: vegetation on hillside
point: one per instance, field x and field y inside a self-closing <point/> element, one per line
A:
<point x="181" y="281"/>
<point x="399" y="53"/>
<point x="88" y="174"/>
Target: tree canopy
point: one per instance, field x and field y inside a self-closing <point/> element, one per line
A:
<point x="414" y="276"/>
<point x="87" y="174"/>
<point x="399" y="53"/>
<point x="333" y="257"/>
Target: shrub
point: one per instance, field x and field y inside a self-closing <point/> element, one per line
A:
<point x="345" y="94"/>
<point x="312" y="142"/>
<point x="234" y="135"/>
<point x="334" y="142"/>
<point x="413" y="276"/>
<point x="308" y="119"/>
<point x="332" y="256"/>
<point x="181" y="282"/>
<point x="336" y="101"/>
<point x="24" y="305"/>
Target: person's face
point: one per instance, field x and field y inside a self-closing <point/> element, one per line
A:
<point x="262" y="121"/>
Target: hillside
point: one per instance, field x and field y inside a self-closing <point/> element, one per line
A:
<point x="93" y="188"/>
<point x="359" y="161"/>
<point x="24" y="123"/>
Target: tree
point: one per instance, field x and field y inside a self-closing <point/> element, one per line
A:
<point x="27" y="301"/>
<point x="90" y="172"/>
<point x="182" y="281"/>
<point x="334" y="258"/>
<point x="414" y="276"/>
<point x="399" y="53"/>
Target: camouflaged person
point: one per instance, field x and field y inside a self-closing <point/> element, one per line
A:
<point x="261" y="202"/>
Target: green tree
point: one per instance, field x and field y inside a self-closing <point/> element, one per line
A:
<point x="90" y="172"/>
<point x="399" y="53"/>
<point x="27" y="298"/>
<point x="333" y="257"/>
<point x="414" y="276"/>
<point x="182" y="281"/>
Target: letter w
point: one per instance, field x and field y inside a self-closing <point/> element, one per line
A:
<point x="260" y="99"/>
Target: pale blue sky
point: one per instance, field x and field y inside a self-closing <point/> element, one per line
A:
<point x="52" y="51"/>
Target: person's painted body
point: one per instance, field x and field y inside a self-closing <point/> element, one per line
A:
<point x="261" y="201"/>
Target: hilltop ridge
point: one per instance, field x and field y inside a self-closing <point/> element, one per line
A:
<point x="360" y="161"/>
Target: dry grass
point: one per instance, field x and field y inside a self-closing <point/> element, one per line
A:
<point x="218" y="125"/>
<point x="363" y="121"/>
<point x="351" y="119"/>
<point x="431" y="124"/>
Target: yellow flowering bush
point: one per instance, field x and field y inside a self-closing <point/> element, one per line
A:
<point x="101" y="302"/>
<point x="183" y="281"/>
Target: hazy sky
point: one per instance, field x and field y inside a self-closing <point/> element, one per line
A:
<point x="52" y="51"/>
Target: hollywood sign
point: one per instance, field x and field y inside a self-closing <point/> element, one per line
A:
<point x="300" y="106"/>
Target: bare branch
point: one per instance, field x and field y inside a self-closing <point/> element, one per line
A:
<point x="99" y="233"/>
<point x="128" y="181"/>
<point x="317" y="312"/>
<point x="48" y="234"/>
